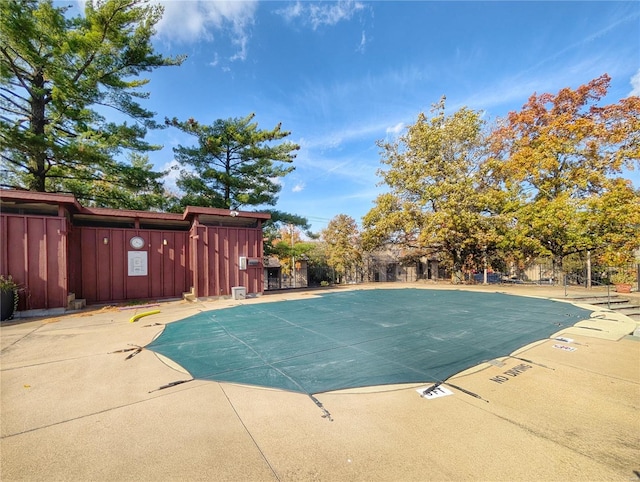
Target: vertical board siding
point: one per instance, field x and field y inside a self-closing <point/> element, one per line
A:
<point x="4" y="246"/>
<point x="218" y="269"/>
<point x="174" y="268"/>
<point x="74" y="267"/>
<point x="50" y="258"/>
<point x="193" y="258"/>
<point x="87" y="288"/>
<point x="227" y="262"/>
<point x="34" y="253"/>
<point x="118" y="264"/>
<point x="104" y="262"/>
<point x="56" y="250"/>
<point x="156" y="259"/>
<point x="105" y="275"/>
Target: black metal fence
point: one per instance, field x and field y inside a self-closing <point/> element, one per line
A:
<point x="572" y="273"/>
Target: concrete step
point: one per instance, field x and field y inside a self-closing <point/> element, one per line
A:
<point x="600" y="300"/>
<point x="77" y="304"/>
<point x="620" y="306"/>
<point x="627" y="310"/>
<point x="189" y="295"/>
<point x="616" y="302"/>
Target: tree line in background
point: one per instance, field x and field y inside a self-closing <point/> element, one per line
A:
<point x="544" y="181"/>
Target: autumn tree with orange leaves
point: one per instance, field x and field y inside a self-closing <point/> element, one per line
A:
<point x="562" y="156"/>
<point x="544" y="181"/>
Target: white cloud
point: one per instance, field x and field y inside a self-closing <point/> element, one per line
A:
<point x="360" y="170"/>
<point x="173" y="173"/>
<point x="363" y="43"/>
<point x="193" y="21"/>
<point x="635" y="83"/>
<point x="294" y="10"/>
<point x="335" y="139"/>
<point x="520" y="86"/>
<point x="320" y="14"/>
<point x="298" y="187"/>
<point x="396" y="129"/>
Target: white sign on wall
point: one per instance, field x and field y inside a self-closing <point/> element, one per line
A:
<point x="137" y="263"/>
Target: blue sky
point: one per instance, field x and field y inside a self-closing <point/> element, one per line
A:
<point x="340" y="75"/>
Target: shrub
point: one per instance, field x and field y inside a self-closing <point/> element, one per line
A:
<point x="7" y="283"/>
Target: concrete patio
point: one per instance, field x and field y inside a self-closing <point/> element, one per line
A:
<point x="74" y="408"/>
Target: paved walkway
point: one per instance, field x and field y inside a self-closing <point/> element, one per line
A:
<point x="73" y="408"/>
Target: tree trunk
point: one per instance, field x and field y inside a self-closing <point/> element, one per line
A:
<point x="456" y="274"/>
<point x="37" y="160"/>
<point x="227" y="187"/>
<point x="557" y="268"/>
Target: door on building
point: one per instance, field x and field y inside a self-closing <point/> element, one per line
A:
<point x="273" y="279"/>
<point x="391" y="272"/>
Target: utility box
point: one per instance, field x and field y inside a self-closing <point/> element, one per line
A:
<point x="238" y="292"/>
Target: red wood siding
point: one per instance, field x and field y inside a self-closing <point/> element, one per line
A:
<point x="105" y="274"/>
<point x="215" y="259"/>
<point x="34" y="253"/>
<point x="51" y="258"/>
<point x="74" y="266"/>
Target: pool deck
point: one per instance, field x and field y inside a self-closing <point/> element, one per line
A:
<point x="74" y="408"/>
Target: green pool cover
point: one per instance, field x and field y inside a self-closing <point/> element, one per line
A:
<point x="359" y="338"/>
